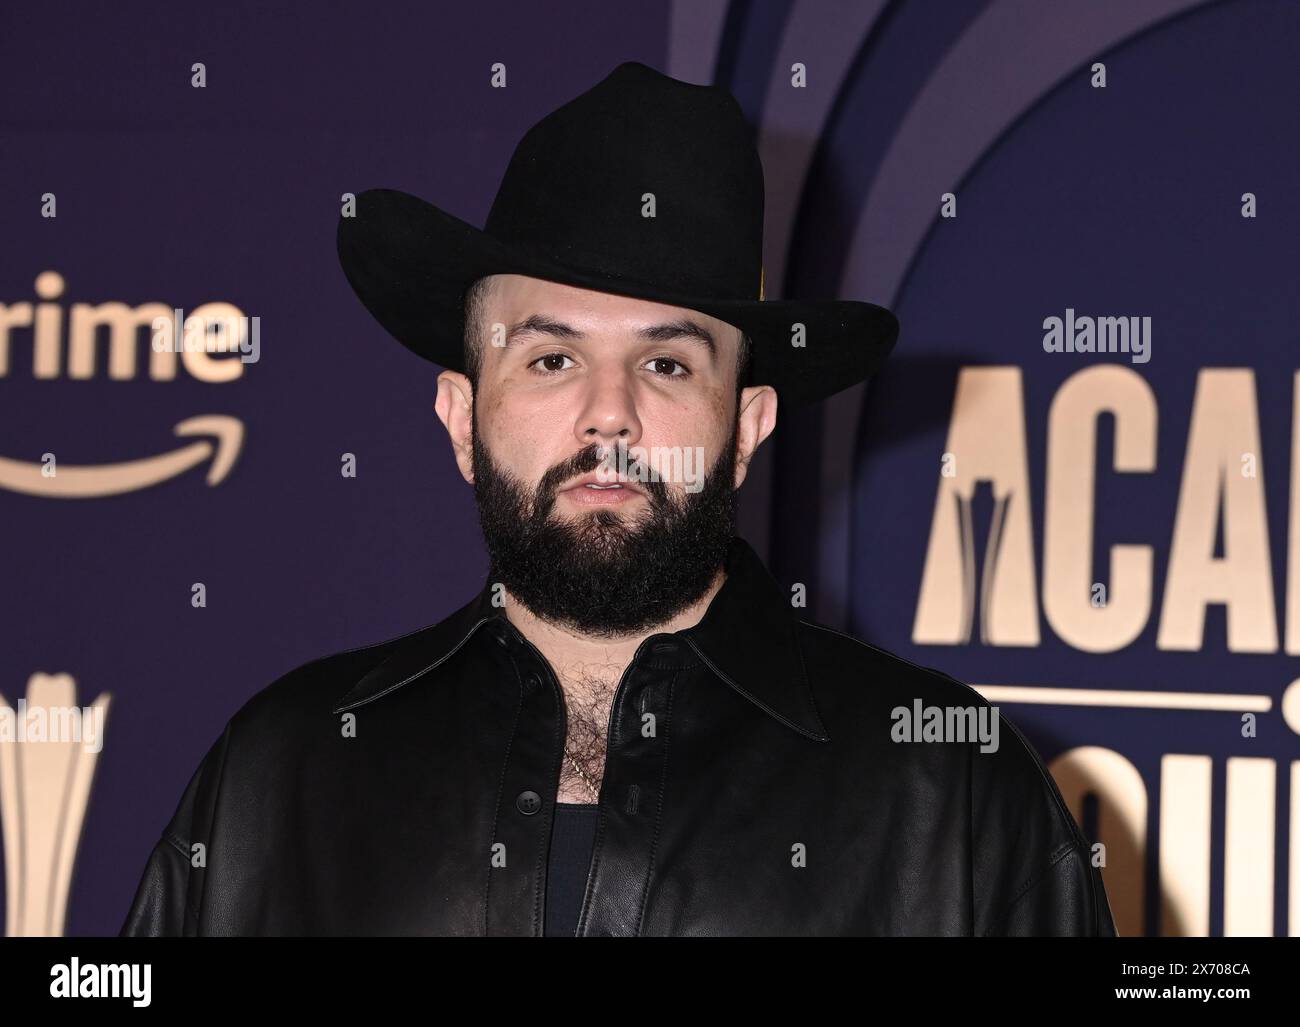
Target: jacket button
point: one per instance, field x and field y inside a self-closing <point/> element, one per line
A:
<point x="528" y="803"/>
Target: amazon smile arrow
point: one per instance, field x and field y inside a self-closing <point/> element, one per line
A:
<point x="88" y="482"/>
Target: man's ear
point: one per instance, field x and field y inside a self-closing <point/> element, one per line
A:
<point x="455" y="407"/>
<point x="757" y="419"/>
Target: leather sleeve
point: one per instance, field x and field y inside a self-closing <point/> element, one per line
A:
<point x="1033" y="873"/>
<point x="1067" y="900"/>
<point x="161" y="907"/>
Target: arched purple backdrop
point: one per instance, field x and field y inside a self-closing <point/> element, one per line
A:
<point x="1106" y="544"/>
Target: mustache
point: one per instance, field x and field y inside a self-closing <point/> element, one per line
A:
<point x="588" y="459"/>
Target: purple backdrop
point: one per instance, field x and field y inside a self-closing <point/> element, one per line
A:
<point x="1117" y="200"/>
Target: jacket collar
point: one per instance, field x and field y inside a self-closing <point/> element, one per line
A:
<point x="748" y="637"/>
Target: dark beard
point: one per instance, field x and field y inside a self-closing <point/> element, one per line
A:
<point x="605" y="574"/>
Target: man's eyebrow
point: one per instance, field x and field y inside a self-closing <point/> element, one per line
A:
<point x="683" y="328"/>
<point x="537" y="324"/>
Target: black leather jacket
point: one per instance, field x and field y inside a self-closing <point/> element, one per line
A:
<point x="752" y="786"/>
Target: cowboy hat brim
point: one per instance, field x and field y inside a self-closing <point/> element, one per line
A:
<point x="410" y="262"/>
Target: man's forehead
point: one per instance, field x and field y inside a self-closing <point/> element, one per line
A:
<point x="515" y="299"/>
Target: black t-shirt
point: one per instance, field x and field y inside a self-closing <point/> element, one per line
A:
<point x="573" y="834"/>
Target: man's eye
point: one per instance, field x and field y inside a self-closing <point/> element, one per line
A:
<point x="551" y="369"/>
<point x="655" y="362"/>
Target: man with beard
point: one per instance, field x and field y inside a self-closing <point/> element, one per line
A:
<point x="596" y="565"/>
<point x="631" y="730"/>
<point x="592" y="564"/>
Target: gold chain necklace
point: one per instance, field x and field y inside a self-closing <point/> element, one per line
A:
<point x="595" y="792"/>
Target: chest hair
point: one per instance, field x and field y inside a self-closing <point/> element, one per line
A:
<point x="588" y="697"/>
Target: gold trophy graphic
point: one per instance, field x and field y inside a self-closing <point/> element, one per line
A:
<point x="49" y="748"/>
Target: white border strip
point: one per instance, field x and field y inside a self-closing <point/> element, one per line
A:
<point x="1121" y="697"/>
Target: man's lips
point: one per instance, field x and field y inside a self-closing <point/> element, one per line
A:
<point x="589" y="490"/>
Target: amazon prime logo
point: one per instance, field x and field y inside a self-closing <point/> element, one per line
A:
<point x="52" y="338"/>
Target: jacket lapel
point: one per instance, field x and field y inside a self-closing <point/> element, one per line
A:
<point x="749" y="637"/>
<point x="419" y="652"/>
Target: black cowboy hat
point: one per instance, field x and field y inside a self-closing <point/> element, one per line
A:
<point x="643" y="186"/>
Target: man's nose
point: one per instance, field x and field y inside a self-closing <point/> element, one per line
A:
<point x="608" y="415"/>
